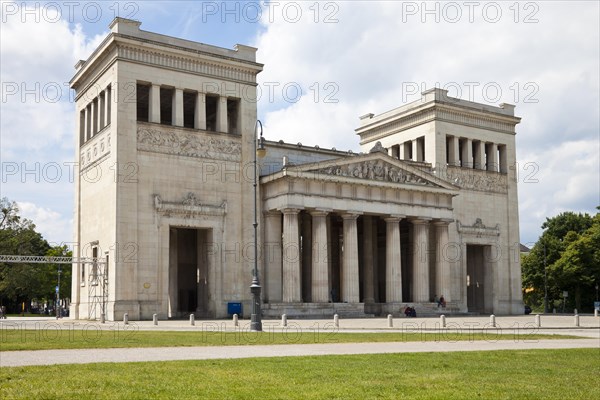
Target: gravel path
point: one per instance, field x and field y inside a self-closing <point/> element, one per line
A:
<point x="86" y="356"/>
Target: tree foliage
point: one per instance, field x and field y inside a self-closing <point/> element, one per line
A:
<point x="569" y="253"/>
<point x="22" y="282"/>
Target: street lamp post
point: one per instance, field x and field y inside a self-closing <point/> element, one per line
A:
<point x="545" y="284"/>
<point x="57" y="305"/>
<point x="255" y="289"/>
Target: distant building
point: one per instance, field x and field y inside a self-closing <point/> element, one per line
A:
<point x="166" y="141"/>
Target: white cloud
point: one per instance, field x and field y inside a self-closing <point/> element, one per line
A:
<point x="378" y="50"/>
<point x="53" y="226"/>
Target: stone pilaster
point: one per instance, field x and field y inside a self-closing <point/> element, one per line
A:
<point x="442" y="264"/>
<point x="200" y="112"/>
<point x="222" y="115"/>
<point x="479" y="156"/>
<point x="291" y="256"/>
<point x="368" y="261"/>
<point x="492" y="157"/>
<point x="350" y="288"/>
<point x="320" y="273"/>
<point x="177" y="108"/>
<point x="306" y="258"/>
<point x="154" y="104"/>
<point x="453" y="152"/>
<point x="467" y="153"/>
<point x="272" y="257"/>
<point x="87" y="125"/>
<point x="415" y="149"/>
<point x="107" y="105"/>
<point x="393" y="270"/>
<point x="421" y="261"/>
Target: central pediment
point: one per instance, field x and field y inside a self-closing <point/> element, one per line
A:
<point x="374" y="167"/>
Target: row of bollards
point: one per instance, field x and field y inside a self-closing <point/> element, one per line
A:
<point x="336" y="320"/>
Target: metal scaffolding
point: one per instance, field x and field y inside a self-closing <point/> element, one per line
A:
<point x="97" y="279"/>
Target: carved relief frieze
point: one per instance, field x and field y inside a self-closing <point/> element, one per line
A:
<point x="189" y="144"/>
<point x="189" y="206"/>
<point x="478" y="229"/>
<point x="474" y="179"/>
<point x="375" y="170"/>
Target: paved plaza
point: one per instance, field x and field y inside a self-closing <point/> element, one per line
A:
<point x="519" y="327"/>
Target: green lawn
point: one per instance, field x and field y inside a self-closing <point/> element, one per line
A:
<point x="15" y="338"/>
<point x="527" y="374"/>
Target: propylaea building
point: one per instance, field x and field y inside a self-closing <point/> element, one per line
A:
<point x="166" y="141"/>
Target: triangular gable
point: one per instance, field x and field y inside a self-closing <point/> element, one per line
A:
<point x="374" y="167"/>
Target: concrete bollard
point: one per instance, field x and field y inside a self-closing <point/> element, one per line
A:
<point x="538" y="320"/>
<point x="126" y="318"/>
<point x="595" y="313"/>
<point x="554" y="310"/>
<point x="390" y="321"/>
<point x="235" y="320"/>
<point x="155" y="319"/>
<point x="284" y="320"/>
<point x="102" y="318"/>
<point x="575" y="312"/>
<point x="576" y="319"/>
<point x="192" y="319"/>
<point x="336" y="321"/>
<point x="443" y="320"/>
<point x="493" y="320"/>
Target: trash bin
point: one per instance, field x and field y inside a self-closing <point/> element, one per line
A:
<point x="234" y="308"/>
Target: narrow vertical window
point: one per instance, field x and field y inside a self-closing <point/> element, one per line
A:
<point x="142" y="102"/>
<point x="189" y="107"/>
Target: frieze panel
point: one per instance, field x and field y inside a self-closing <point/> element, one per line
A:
<point x="375" y="170"/>
<point x="189" y="205"/>
<point x="95" y="149"/>
<point x="478" y="229"/>
<point x="475" y="179"/>
<point x="170" y="141"/>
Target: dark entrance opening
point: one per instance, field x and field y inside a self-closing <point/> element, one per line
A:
<point x="188" y="272"/>
<point x="479" y="283"/>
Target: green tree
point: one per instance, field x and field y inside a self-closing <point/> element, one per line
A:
<point x="566" y="248"/>
<point x="19" y="282"/>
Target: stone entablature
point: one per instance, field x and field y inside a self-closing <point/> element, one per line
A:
<point x="164" y="139"/>
<point x="474" y="179"/>
<point x="478" y="229"/>
<point x="189" y="205"/>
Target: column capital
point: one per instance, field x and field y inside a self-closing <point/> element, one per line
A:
<point x="394" y="218"/>
<point x="319" y="212"/>
<point x="290" y="210"/>
<point x="272" y="213"/>
<point x="351" y="215"/>
<point x="443" y="221"/>
<point x="420" y="220"/>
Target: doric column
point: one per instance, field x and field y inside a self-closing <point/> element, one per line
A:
<point x="107" y="105"/>
<point x="177" y="108"/>
<point x="393" y="270"/>
<point x="291" y="257"/>
<point x="479" y="156"/>
<point x="368" y="262"/>
<point x="154" y="104"/>
<point x="492" y="157"/>
<point x="442" y="264"/>
<point x="200" y="112"/>
<point x="453" y="151"/>
<point x="350" y="288"/>
<point x="222" y="114"/>
<point x="467" y="153"/>
<point x="272" y="257"/>
<point x="306" y="257"/>
<point x="405" y="151"/>
<point x="94" y="116"/>
<point x="320" y="273"/>
<point x="87" y="123"/>
<point x="421" y="261"/>
<point x="415" y="150"/>
<point x="101" y="110"/>
<point x="503" y="160"/>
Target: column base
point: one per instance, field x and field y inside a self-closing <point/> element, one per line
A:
<point x="315" y="310"/>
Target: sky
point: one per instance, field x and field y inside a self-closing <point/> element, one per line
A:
<point x="325" y="64"/>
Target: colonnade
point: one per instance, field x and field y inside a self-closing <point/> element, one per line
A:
<point x="289" y="242"/>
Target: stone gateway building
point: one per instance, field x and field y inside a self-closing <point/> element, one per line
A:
<point x="166" y="141"/>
